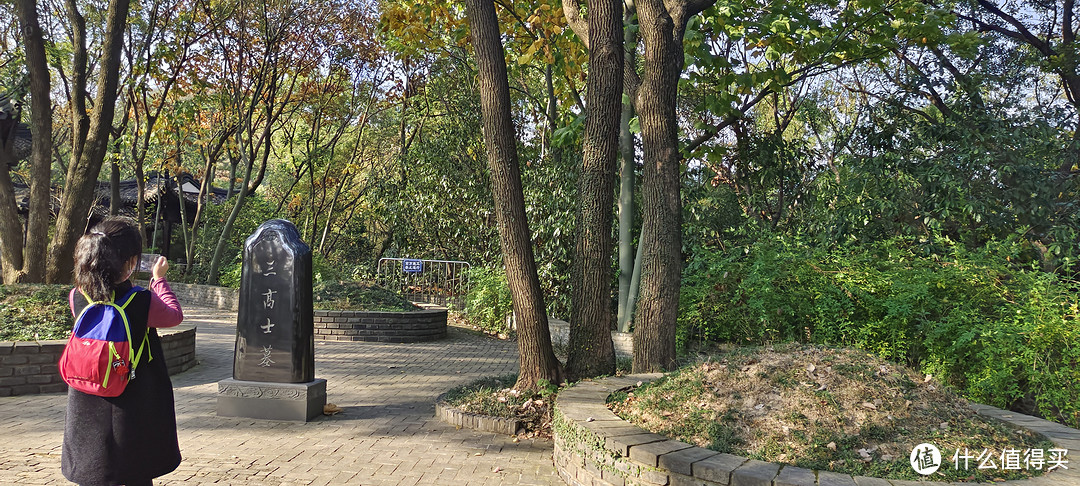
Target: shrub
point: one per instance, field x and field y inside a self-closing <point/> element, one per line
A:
<point x="359" y="296"/>
<point x="34" y="312"/>
<point x="488" y="305"/>
<point x="1000" y="333"/>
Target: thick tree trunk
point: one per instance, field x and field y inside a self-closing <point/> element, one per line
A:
<point x="591" y="351"/>
<point x="83" y="174"/>
<point x="23" y="251"/>
<point x="37" y="225"/>
<point x="11" y="232"/>
<point x="655" y="320"/>
<point x="536" y="358"/>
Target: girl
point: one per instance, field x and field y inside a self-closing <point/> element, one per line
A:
<point x="129" y="439"/>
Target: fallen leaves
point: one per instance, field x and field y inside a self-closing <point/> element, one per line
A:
<point x="331" y="409"/>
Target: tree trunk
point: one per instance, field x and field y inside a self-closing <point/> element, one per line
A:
<point x="114" y="188"/>
<point x="591" y="351"/>
<point x="661" y="232"/>
<point x="23" y="252"/>
<point x="11" y="244"/>
<point x="230" y="220"/>
<point x="536" y="358"/>
<point x="632" y="293"/>
<point x="83" y="173"/>
<point x="37" y="231"/>
<point x="627" y="179"/>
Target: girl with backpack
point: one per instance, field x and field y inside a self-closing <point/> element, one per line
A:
<point x="128" y="439"/>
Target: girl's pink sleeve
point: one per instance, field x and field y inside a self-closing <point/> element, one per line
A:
<point x="164" y="307"/>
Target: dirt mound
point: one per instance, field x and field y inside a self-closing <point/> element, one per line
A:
<point x="822" y="408"/>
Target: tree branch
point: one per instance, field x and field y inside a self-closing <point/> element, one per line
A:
<point x="712" y="131"/>
<point x="572" y="12"/>
<point x="1021" y="32"/>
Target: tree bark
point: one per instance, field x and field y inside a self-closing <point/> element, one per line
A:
<point x="83" y="173"/>
<point x="11" y="253"/>
<point x="23" y="252"/>
<point x="662" y="29"/>
<point x="536" y="358"/>
<point x="591" y="352"/>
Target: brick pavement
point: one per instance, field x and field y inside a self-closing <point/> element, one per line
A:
<point x="386" y="435"/>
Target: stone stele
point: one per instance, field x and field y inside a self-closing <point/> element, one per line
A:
<point x="274" y="362"/>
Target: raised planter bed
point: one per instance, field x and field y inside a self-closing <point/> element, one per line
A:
<point x="30" y="367"/>
<point x="475" y="421"/>
<point x="383" y="327"/>
<point x="593" y="446"/>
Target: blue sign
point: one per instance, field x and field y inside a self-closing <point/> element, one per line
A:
<point x="412" y="266"/>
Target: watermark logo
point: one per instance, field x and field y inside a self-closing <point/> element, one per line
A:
<point x="925" y="459"/>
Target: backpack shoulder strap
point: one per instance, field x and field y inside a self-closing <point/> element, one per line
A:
<point x="128" y="297"/>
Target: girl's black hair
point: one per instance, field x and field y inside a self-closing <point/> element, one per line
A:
<point x="101" y="254"/>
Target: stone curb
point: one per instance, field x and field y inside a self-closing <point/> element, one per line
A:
<point x="596" y="447"/>
<point x="475" y="421"/>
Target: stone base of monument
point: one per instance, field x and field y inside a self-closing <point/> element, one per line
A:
<point x="271" y="401"/>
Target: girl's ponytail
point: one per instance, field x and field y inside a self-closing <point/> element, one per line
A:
<point x="102" y="254"/>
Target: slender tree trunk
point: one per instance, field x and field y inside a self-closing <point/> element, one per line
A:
<point x="627" y="178"/>
<point x="37" y="231"/>
<point x="230" y="220"/>
<point x="591" y="351"/>
<point x="83" y="172"/>
<point x="632" y="293"/>
<point x="536" y="358"/>
<point x="661" y="232"/>
<point x="140" y="181"/>
<point x="114" y="188"/>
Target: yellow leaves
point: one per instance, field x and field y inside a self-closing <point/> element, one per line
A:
<point x="531" y="51"/>
<point x="296" y="203"/>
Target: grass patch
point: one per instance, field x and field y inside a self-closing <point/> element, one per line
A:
<point x="361" y="296"/>
<point x="496" y="397"/>
<point x="822" y="408"/>
<point x="34" y="312"/>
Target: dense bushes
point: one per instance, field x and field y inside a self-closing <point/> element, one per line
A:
<point x="1001" y="333"/>
<point x="34" y="312"/>
<point x="488" y="305"/>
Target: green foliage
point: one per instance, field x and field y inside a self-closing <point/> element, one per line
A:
<point x="1000" y="332"/>
<point x="332" y="295"/>
<point x="488" y="305"/>
<point x="34" y="312"/>
<point x="973" y="179"/>
<point x="255" y="212"/>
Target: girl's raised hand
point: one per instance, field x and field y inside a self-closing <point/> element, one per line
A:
<point x="160" y="267"/>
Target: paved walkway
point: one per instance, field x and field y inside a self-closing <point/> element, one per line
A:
<point x="387" y="433"/>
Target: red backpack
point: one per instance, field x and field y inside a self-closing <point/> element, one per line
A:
<point x="99" y="358"/>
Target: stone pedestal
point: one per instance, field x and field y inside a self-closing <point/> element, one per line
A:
<point x="299" y="402"/>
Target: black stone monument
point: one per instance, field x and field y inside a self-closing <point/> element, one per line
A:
<point x="274" y="362"/>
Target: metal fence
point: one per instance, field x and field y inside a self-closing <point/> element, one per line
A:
<point x="441" y="282"/>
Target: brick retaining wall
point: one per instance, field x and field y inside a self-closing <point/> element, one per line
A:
<point x="223" y="298"/>
<point x="30" y="367"/>
<point x="593" y="446"/>
<point x="384" y="327"/>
